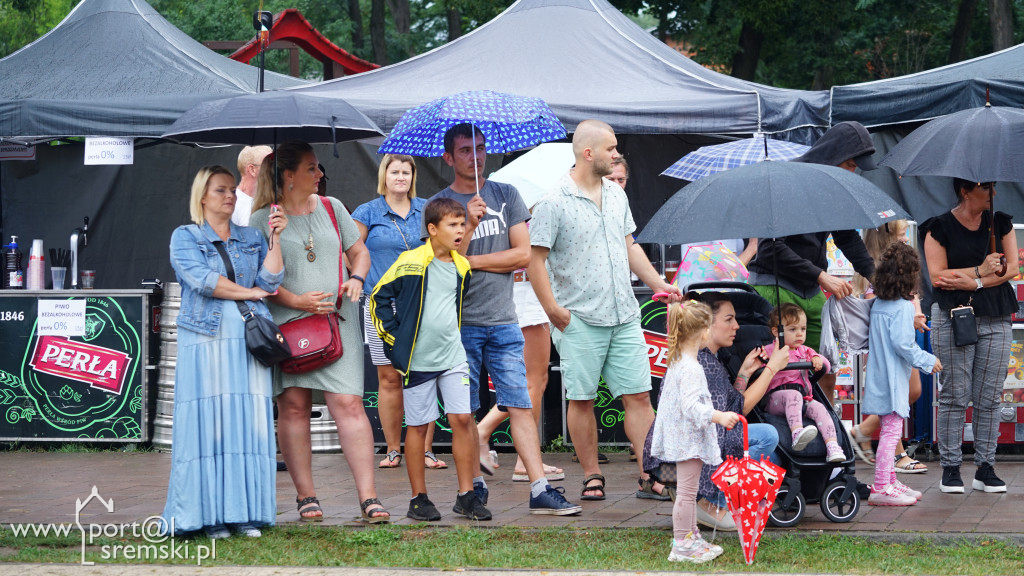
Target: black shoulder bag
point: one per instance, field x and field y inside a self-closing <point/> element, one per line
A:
<point x="262" y="337"/>
<point x="965" y="329"/>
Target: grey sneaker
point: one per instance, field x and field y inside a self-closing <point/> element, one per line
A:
<point x="469" y="506"/>
<point x="552" y="502"/>
<point x="422" y="509"/>
<point x="985" y="479"/>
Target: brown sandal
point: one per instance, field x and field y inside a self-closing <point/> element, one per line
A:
<point x="588" y="488"/>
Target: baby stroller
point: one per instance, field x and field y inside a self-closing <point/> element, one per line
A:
<point x="810" y="478"/>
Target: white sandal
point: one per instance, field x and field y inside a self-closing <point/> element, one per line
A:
<point x="910" y="467"/>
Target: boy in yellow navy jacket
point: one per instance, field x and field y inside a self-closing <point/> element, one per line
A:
<point x="417" y="311"/>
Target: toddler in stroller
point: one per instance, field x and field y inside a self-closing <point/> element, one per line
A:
<point x="789" y="393"/>
<point x="810" y="476"/>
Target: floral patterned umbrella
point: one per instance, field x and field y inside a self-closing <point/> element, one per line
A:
<point x="709" y="262"/>
<point x="750" y="488"/>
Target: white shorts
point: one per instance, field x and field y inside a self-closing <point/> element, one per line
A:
<point x="421" y="401"/>
<point x="528" y="308"/>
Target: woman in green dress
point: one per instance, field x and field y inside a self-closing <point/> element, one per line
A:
<point x="310" y="247"/>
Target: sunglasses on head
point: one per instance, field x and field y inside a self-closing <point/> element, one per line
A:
<point x="989" y="186"/>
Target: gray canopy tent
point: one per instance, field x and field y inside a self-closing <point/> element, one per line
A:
<point x="111" y="68"/>
<point x="114" y="68"/>
<point x="586" y="60"/>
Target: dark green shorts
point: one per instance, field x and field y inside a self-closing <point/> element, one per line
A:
<point x="811" y="307"/>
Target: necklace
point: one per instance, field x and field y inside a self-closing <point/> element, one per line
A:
<point x="310" y="252"/>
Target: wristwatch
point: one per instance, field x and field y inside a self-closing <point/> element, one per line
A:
<point x="978" y="282"/>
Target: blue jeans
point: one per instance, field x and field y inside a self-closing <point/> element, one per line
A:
<point x="763" y="439"/>
<point x="500" y="350"/>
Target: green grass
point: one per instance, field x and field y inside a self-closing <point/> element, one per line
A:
<point x="556" y="548"/>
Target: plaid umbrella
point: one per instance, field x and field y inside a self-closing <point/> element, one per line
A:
<point x="708" y="160"/>
<point x="509" y="122"/>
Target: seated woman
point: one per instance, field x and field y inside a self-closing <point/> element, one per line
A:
<point x="730" y="394"/>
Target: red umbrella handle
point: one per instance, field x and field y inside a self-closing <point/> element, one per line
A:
<point x="746" y="439"/>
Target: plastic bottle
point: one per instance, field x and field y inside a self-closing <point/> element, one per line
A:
<point x="13" y="276"/>
<point x="36" y="276"/>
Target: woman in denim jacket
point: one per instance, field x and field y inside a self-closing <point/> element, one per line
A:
<point x="223" y="468"/>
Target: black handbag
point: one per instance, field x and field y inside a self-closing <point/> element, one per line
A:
<point x="965" y="329"/>
<point x="262" y="337"/>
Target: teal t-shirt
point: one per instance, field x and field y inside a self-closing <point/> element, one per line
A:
<point x="438" y="344"/>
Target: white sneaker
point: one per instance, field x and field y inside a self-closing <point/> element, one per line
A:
<point x="907" y="490"/>
<point x="890" y="496"/>
<point x="693" y="549"/>
<point x="803" y="436"/>
<point x="216" y="531"/>
<point x="835" y="452"/>
<point x="247" y="530"/>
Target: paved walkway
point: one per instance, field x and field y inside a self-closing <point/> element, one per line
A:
<point x="44" y="488"/>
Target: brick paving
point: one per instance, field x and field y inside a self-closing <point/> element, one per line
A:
<point x="43" y="488"/>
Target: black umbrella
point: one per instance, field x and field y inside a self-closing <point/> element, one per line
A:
<point x="272" y="117"/>
<point x="770" y="200"/>
<point x="981" y="145"/>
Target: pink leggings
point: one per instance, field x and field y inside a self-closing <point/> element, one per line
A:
<point x="788" y="403"/>
<point x="684" y="513"/>
<point x="888" y="435"/>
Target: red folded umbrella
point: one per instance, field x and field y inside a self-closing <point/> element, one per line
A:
<point x="750" y="488"/>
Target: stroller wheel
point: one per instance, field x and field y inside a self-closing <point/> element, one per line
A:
<point x="836" y="509"/>
<point x="787" y="516"/>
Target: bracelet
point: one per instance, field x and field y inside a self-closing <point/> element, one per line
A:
<point x="358" y="277"/>
<point x="977" y="272"/>
<point x="767" y="367"/>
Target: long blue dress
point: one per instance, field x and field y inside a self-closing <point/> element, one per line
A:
<point x="223" y="460"/>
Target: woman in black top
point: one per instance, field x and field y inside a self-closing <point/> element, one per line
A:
<point x="956" y="248"/>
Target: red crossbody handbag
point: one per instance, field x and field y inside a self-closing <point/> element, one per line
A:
<point x="315" y="341"/>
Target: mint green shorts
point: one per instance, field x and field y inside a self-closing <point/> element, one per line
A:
<point x="619" y="353"/>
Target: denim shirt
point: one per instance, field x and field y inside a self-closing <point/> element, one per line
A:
<point x="384" y="235"/>
<point x="197" y="265"/>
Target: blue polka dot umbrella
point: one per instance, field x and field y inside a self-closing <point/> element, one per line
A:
<point x="509" y="122"/>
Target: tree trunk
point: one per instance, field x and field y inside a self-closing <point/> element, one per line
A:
<point x="377" y="33"/>
<point x="400" y="14"/>
<point x="356" y="16"/>
<point x="454" y="24"/>
<point x="744" y="61"/>
<point x="1000" y="18"/>
<point x="962" y="31"/>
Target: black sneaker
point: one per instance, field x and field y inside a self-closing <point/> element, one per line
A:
<point x="422" y="509"/>
<point x="469" y="506"/>
<point x="951" y="482"/>
<point x="985" y="479"/>
<point x="481" y="492"/>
